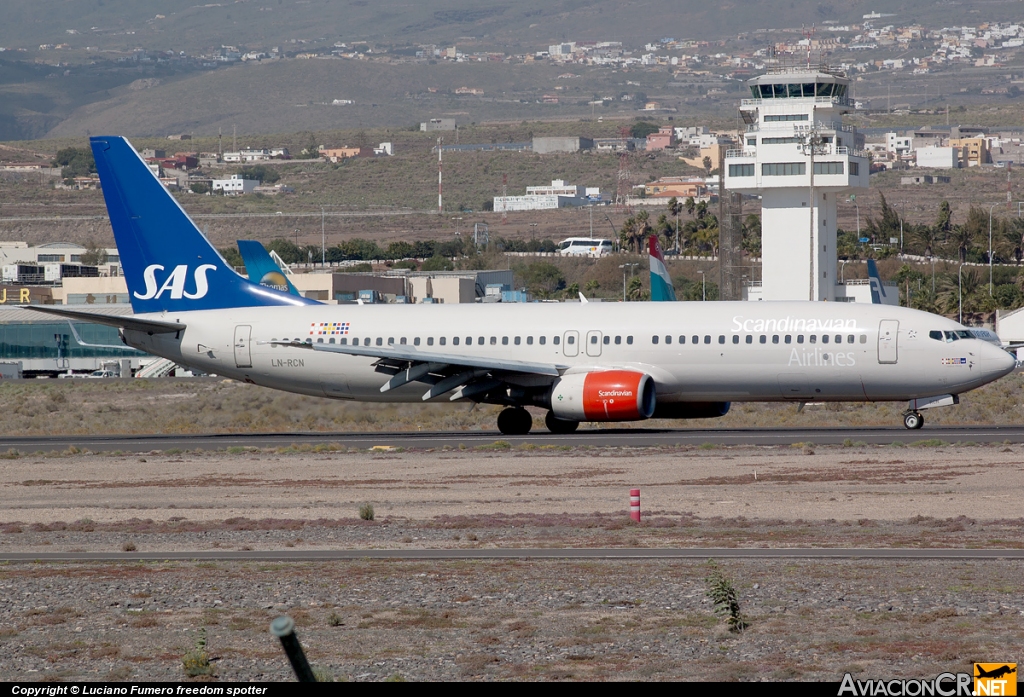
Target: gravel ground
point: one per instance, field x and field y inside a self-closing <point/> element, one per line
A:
<point x="491" y="620"/>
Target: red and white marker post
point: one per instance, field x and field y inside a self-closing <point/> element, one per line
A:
<point x="634" y="504"/>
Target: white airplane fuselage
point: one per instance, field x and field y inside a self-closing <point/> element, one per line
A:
<point x="729" y="351"/>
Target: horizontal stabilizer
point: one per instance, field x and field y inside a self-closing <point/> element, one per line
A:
<point x="137" y="324"/>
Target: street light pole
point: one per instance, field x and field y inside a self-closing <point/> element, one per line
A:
<point x="990" y="249"/>
<point x="703" y="287"/>
<point x="624" y="267"/>
<point x="323" y="239"/>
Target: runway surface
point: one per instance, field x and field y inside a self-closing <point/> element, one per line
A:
<point x="524" y="554"/>
<point x="610" y="437"/>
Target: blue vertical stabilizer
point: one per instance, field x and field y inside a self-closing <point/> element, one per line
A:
<point x="262" y="269"/>
<point x="877" y="289"/>
<point x="168" y="263"/>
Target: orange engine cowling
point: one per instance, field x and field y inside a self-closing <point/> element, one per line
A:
<point x="609" y="395"/>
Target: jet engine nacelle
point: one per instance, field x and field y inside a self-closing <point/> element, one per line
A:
<point x="609" y="395"/>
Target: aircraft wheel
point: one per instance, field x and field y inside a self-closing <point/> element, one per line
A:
<point x="515" y="421"/>
<point x="557" y="425"/>
<point x="913" y="420"/>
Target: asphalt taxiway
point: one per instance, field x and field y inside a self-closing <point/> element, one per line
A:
<point x="604" y="437"/>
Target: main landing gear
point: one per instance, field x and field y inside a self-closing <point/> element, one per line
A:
<point x="560" y="426"/>
<point x="913" y="420"/>
<point x="515" y="421"/>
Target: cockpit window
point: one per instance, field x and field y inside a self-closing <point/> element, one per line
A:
<point x="934" y="334"/>
<point x="951" y="336"/>
<point x="965" y="335"/>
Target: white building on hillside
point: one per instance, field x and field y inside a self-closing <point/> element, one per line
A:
<point x="235" y="185"/>
<point x="801" y="159"/>
<point x="558" y="195"/>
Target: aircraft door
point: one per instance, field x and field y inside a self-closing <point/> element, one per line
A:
<point x="888" y="331"/>
<point x="243" y="358"/>
<point x="594" y="344"/>
<point x="571" y="344"/>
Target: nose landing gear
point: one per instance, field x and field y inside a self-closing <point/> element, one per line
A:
<point x="913" y="420"/>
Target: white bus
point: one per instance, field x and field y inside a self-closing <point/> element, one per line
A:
<point x="584" y="246"/>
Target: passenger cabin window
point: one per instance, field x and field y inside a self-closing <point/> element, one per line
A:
<point x="707" y="338"/>
<point x="480" y="341"/>
<point x="430" y="341"/>
<point x="654" y="339"/>
<point x="529" y="341"/>
<point x="800" y="339"/>
<point x="721" y="338"/>
<point x="416" y="341"/>
<point x="763" y="339"/>
<point x="543" y="340"/>
<point x="494" y="341"/>
<point x="607" y="339"/>
<point x="668" y="339"/>
<point x="682" y="339"/>
<point x="824" y="339"/>
<point x="863" y="338"/>
<point x="775" y="338"/>
<point x="380" y="341"/>
<point x="391" y="341"/>
<point x="735" y="338"/>
<point x="618" y="340"/>
<point x="629" y="340"/>
<point x="517" y="340"/>
<point x="694" y="339"/>
<point x="331" y="340"/>
<point x="569" y="339"/>
<point x="849" y="339"/>
<point x="555" y="339"/>
<point x="455" y="341"/>
<point x="442" y="340"/>
<point x="343" y="342"/>
<point x="750" y="339"/>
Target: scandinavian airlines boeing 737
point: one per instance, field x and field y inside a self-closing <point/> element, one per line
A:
<point x="580" y="362"/>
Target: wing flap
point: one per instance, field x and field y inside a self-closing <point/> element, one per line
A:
<point x="412" y="354"/>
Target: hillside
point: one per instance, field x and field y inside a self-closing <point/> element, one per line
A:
<point x="187" y="25"/>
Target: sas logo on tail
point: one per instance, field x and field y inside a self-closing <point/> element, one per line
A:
<point x="175" y="282"/>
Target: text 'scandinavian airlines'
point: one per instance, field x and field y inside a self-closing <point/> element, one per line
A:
<point x="579" y="361"/>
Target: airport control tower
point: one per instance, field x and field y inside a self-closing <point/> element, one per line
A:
<point x="800" y="158"/>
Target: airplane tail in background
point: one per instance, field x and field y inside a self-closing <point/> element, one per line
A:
<point x="661" y="283"/>
<point x="168" y="264"/>
<point x="262" y="269"/>
<point x="877" y="289"/>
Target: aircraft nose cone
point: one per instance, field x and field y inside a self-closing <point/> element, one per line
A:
<point x="1000" y="362"/>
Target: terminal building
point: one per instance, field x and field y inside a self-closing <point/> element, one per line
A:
<point x="801" y="159"/>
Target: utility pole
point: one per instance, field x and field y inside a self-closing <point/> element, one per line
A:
<point x="323" y="239"/>
<point x="439" y="142"/>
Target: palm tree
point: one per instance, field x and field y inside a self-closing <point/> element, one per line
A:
<point x="643" y="229"/>
<point x="627" y="233"/>
<point x="927" y="236"/>
<point x="963" y="238"/>
<point x="1012" y="234"/>
<point x="690" y="206"/>
<point x="675" y="207"/>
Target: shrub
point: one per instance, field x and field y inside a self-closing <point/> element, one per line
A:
<point x="366" y="511"/>
<point x="723" y="595"/>
<point x="197" y="661"/>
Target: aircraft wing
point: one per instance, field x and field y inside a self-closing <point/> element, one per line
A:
<point x="150" y="326"/>
<point x="444" y="372"/>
